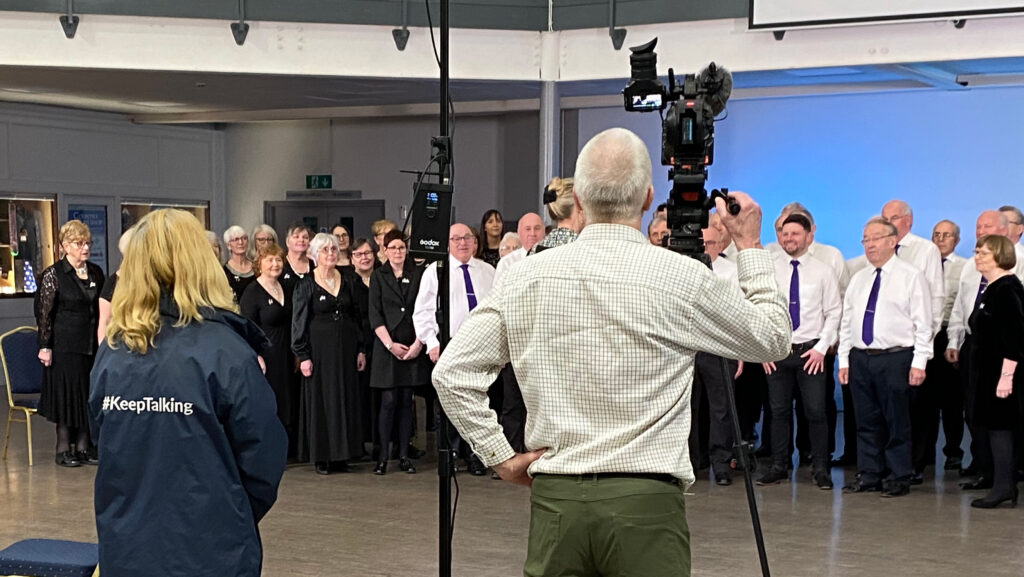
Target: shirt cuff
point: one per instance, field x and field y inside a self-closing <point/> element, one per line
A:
<point x="432" y="342"/>
<point x="844" y="361"/>
<point x="920" y="361"/>
<point x="494" y="450"/>
<point x="822" y="346"/>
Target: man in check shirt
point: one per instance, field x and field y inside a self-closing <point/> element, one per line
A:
<point x="814" y="308"/>
<point x="885" y="341"/>
<point x="602" y="333"/>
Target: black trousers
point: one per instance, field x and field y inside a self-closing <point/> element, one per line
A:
<point x="981" y="449"/>
<point x="751" y="397"/>
<point x="788" y="378"/>
<point x="709" y="402"/>
<point x="513" y="410"/>
<point x="803" y="439"/>
<point x="941" y="393"/>
<point x="881" y="393"/>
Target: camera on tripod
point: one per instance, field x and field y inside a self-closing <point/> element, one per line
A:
<point x="687" y="138"/>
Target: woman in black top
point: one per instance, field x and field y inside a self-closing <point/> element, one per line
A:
<point x="491" y="226"/>
<point x="67" y="313"/>
<point x="994" y="398"/>
<point x="296" y="263"/>
<point x="238" y="267"/>
<point x="329" y="345"/>
<point x="363" y="261"/>
<point x="397" y="363"/>
<point x="265" y="304"/>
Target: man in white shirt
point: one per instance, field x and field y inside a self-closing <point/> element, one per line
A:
<point x="727" y="248"/>
<point x="657" y="230"/>
<point x="885" y="341"/>
<point x="942" y="390"/>
<point x="1014" y="228"/>
<point x="814" y="309"/>
<point x="530" y="230"/>
<point x="712" y="436"/>
<point x="602" y="333"/>
<point x="469" y="281"/>
<point x="826" y="253"/>
<point x="919" y="252"/>
<point x="969" y="287"/>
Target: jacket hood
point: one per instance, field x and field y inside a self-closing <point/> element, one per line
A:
<point x="243" y="327"/>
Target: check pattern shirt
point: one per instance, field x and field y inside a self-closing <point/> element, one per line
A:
<point x="602" y="334"/>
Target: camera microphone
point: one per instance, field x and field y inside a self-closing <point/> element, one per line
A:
<point x="718" y="80"/>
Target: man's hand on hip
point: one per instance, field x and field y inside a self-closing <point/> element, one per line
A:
<point x="514" y="470"/>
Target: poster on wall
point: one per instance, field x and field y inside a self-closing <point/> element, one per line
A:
<point x="95" y="217"/>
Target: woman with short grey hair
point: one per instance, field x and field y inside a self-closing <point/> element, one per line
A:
<point x="263" y="235"/>
<point x="238" y="267"/>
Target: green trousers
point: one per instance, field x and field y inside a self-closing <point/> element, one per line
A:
<point x="582" y="526"/>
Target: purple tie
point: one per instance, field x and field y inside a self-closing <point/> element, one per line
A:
<point x="981" y="287"/>
<point x="867" y="331"/>
<point x="794" y="295"/>
<point x="898" y="247"/>
<point x="944" y="259"/>
<point x="470" y="295"/>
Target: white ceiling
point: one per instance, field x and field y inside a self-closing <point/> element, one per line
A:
<point x="159" y="96"/>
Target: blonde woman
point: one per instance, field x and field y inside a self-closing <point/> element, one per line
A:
<point x="378" y="229"/>
<point x="188" y="432"/>
<point x="67" y="315"/>
<point x="565" y="213"/>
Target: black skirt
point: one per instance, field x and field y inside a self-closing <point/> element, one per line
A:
<point x="65" y="392"/>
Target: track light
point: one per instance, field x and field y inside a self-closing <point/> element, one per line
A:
<point x="69" y="22"/>
<point x="240" y="29"/>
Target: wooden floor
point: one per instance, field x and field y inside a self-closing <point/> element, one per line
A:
<point x="358" y="524"/>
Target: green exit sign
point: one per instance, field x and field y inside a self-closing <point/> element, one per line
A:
<point x="317" y="181"/>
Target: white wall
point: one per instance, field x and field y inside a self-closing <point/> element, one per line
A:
<point x="264" y="160"/>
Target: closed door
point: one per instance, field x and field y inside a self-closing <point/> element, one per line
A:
<point x="322" y="216"/>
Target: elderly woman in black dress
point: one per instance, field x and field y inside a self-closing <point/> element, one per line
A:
<point x="328" y="343"/>
<point x="397" y="363"/>
<point x="67" y="314"/>
<point x="238" y="267"/>
<point x="994" y="395"/>
<point x="265" y="304"/>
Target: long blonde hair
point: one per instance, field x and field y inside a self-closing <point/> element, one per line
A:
<point x="168" y="254"/>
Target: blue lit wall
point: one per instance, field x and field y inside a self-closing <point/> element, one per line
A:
<point x="949" y="154"/>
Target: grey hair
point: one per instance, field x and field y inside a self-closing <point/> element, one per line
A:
<point x="1016" y="212"/>
<point x="321" y="240"/>
<point x="126" y="237"/>
<point x="214" y="242"/>
<point x="654" y="221"/>
<point x="510" y="240"/>
<point x="252" y="238"/>
<point x="956" y="227"/>
<point x="613" y="175"/>
<point x="879" y="220"/>
<point x="796" y="207"/>
<point x="234" y="231"/>
<point x="904" y="207"/>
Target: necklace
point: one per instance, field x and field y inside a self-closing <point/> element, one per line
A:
<point x="330" y="281"/>
<point x="82" y="271"/>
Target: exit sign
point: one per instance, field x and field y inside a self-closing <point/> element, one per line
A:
<point x="319" y="181"/>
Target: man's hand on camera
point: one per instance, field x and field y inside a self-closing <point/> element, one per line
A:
<point x="745" y="227"/>
<point x="514" y="470"/>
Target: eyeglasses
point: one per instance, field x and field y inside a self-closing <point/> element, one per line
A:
<point x="463" y="238"/>
<point x="711" y="243"/>
<point x="362" y="254"/>
<point x="874" y="239"/>
<point x="239" y="239"/>
<point x="80" y="243"/>
<point x="329" y="249"/>
<point x="263" y="239"/>
<point x="397" y="248"/>
<point x="943" y="235"/>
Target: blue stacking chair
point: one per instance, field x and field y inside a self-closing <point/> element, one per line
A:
<point x="49" y="558"/>
<point x="19" y="353"/>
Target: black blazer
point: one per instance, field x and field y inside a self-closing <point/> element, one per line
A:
<point x="65" y="314"/>
<point x="392" y="299"/>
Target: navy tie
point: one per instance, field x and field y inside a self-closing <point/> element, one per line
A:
<point x="898" y="247"/>
<point x="867" y="331"/>
<point x="794" y="295"/>
<point x="981" y="287"/>
<point x="470" y="295"/>
<point x="944" y="259"/>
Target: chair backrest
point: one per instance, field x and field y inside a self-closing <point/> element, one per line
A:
<point x="19" y="352"/>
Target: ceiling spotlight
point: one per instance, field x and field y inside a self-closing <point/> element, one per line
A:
<point x="618" y="35"/>
<point x="69" y="22"/>
<point x="401" y="35"/>
<point x="240" y="29"/>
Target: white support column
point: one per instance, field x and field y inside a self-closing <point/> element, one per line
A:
<point x="550" y="136"/>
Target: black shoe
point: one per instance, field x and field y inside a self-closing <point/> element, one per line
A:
<point x="68" y="459"/>
<point x="773" y="477"/>
<point x="824" y="481"/>
<point x="843" y="461"/>
<point x="859" y="486"/>
<point x="88" y="457"/>
<point x="476" y="468"/>
<point x="381" y="468"/>
<point x="340" y="467"/>
<point x="415" y="452"/>
<point x="896" y="489"/>
<point x="916" y="479"/>
<point x="323" y="468"/>
<point x="989" y="502"/>
<point x="980" y="484"/>
<point x="953" y="464"/>
<point x="723" y="480"/>
<point x="407" y="466"/>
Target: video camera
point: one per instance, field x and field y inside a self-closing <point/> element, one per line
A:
<point x="687" y="139"/>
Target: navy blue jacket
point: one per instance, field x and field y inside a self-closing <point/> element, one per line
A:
<point x="191" y="451"/>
